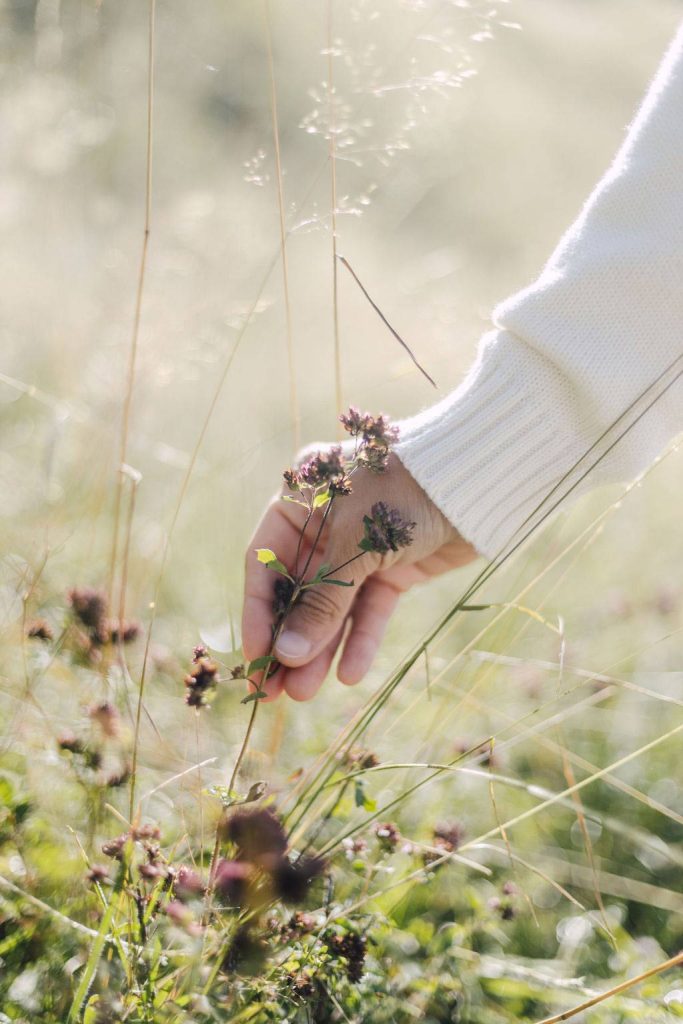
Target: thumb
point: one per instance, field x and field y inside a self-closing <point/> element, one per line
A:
<point x="320" y="612"/>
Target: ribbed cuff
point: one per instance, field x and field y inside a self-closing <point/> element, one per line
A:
<point x="490" y="453"/>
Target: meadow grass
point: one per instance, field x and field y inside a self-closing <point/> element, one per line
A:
<point x="499" y="804"/>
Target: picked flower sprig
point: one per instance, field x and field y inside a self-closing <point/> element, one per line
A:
<point x="315" y="485"/>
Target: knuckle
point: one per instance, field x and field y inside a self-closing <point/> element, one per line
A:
<point x="319" y="606"/>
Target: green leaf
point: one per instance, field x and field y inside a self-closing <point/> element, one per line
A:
<point x="251" y="697"/>
<point x="321" y="499"/>
<point x="338" y="583"/>
<point x="322" y="571"/>
<point x="265" y="555"/>
<point x="294" y="501"/>
<point x="365" y="544"/>
<point x="361" y="798"/>
<point x="260" y="663"/>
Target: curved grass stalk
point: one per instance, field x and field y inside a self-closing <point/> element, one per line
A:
<point x="133" y="350"/>
<point x="674" y="961"/>
<point x="295" y="416"/>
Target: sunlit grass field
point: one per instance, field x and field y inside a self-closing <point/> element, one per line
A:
<point x="546" y="727"/>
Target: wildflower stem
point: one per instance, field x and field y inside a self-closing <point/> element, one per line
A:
<point x="321" y="527"/>
<point x="344" y="564"/>
<point x="132" y="354"/>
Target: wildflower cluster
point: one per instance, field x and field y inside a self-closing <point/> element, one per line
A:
<point x="98" y="751"/>
<point x="386" y="530"/>
<point x="446" y="838"/>
<point x="200" y="682"/>
<point x="96" y="628"/>
<point x="261" y="868"/>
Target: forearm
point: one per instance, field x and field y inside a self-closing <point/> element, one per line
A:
<point x="584" y="366"/>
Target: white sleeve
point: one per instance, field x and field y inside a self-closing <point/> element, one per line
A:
<point x="593" y="347"/>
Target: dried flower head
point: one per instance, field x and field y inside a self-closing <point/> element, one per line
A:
<point x="388" y="835"/>
<point x="292" y="479"/>
<point x="90" y="607"/>
<point x="39" y="629"/>
<point x="68" y="741"/>
<point x="283" y="588"/>
<point x="358" y="757"/>
<point x="328" y="467"/>
<point x="354" y="847"/>
<point x="188" y="884"/>
<point x="352" y="947"/>
<point x="200" y="681"/>
<point x="258" y="835"/>
<point x="446" y="838"/>
<point x="301" y="985"/>
<point x="386" y="530"/>
<point x="231" y="881"/>
<point x="98" y="873"/>
<point x="126" y="631"/>
<point x="107" y="717"/>
<point x="146" y="832"/>
<point x="118" y="778"/>
<point x="114" y="847"/>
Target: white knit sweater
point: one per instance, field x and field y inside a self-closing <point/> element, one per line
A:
<point x="585" y="366"/>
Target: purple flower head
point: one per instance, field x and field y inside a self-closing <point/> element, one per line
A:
<point x="40" y="630"/>
<point x="292" y="479"/>
<point x="327" y="467"/>
<point x="258" y="836"/>
<point x="232" y="881"/>
<point x="89" y="606"/>
<point x="199" y="681"/>
<point x="386" y="530"/>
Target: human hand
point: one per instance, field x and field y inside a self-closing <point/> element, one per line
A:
<point x="314" y="629"/>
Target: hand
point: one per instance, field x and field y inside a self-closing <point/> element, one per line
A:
<point x="315" y="627"/>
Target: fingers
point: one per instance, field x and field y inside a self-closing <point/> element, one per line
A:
<point x="303" y="683"/>
<point x="320" y="612"/>
<point x="374" y="607"/>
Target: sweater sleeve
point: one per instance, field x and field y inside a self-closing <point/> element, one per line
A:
<point x="581" y="382"/>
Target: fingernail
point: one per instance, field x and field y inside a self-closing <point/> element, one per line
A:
<point x="292" y="645"/>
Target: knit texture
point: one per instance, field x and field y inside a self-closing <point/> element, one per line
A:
<point x="581" y="382"/>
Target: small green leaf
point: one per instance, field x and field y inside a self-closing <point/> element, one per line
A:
<point x="266" y="556"/>
<point x="251" y="697"/>
<point x="294" y="501"/>
<point x="255" y="792"/>
<point x="361" y="798"/>
<point x="322" y="571"/>
<point x="365" y="544"/>
<point x="321" y="499"/>
<point x="338" y="583"/>
<point x="260" y="663"/>
<point x="271" y="561"/>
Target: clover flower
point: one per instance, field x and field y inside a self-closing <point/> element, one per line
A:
<point x="89" y="606"/>
<point x="352" y="948"/>
<point x="328" y="467"/>
<point x="200" y="681"/>
<point x="388" y="836"/>
<point x="386" y="530"/>
<point x="258" y="835"/>
<point x="126" y="631"/>
<point x="188" y="884"/>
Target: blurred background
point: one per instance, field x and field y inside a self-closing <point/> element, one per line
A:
<point x="468" y="136"/>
